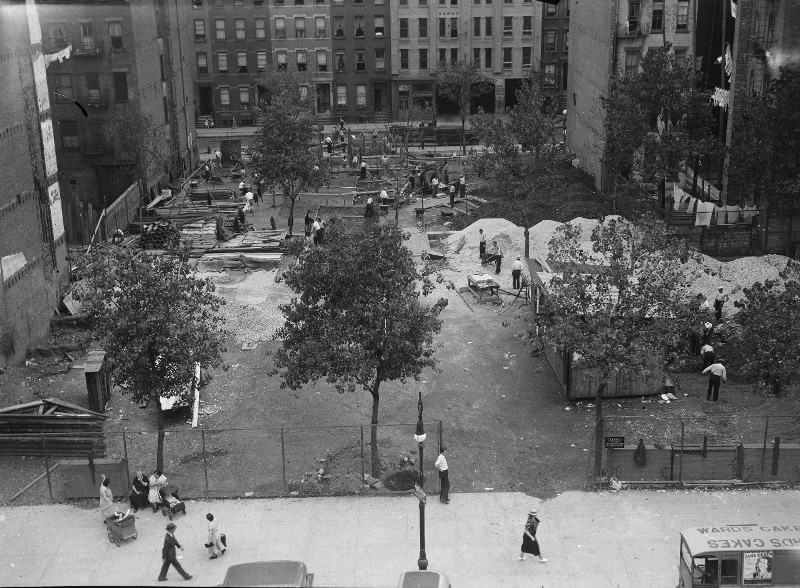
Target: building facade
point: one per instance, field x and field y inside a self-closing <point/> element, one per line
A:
<point x="33" y="267"/>
<point x="554" y="52"/>
<point x="114" y="64"/>
<point x="610" y="38"/>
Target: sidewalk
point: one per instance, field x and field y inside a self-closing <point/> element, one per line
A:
<point x="600" y="540"/>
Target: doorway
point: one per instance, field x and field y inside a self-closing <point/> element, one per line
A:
<point x="323" y="98"/>
<point x="377" y="100"/>
<point x="206" y="100"/>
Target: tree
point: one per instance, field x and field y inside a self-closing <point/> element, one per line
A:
<point x="657" y="118"/>
<point x="154" y="319"/>
<point x="358" y="332"/>
<point x="284" y="150"/>
<point x="620" y="304"/>
<point x="462" y="83"/>
<point x="770" y="315"/>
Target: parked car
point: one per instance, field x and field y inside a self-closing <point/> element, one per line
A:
<point x="452" y="136"/>
<point x="270" y="574"/>
<point x="423" y="579"/>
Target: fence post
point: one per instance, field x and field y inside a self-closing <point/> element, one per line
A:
<point x="283" y="462"/>
<point x="776" y="453"/>
<point x="680" y="461"/>
<point x="205" y="463"/>
<point x="362" y="454"/>
<point x="127" y="463"/>
<point x="764" y="448"/>
<point x="47" y="466"/>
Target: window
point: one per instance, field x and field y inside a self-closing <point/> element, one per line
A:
<point x="261" y="60"/>
<point x="550" y="10"/>
<point x="219" y="26"/>
<point x="95" y="138"/>
<point x="476" y="26"/>
<point x="241" y="61"/>
<point x="508" y="1"/>
<point x="550" y="75"/>
<point x="423" y="59"/>
<point x="527" y="25"/>
<point x="238" y="3"/>
<point x="361" y="62"/>
<point x="567" y="9"/>
<point x="680" y="57"/>
<point x="550" y="40"/>
<point x="69" y="134"/>
<point x="566" y="40"/>
<point x="319" y="25"/>
<point x="634" y="8"/>
<point x="282" y="60"/>
<point x="244" y="98"/>
<point x="341" y="96"/>
<point x="358" y="1"/>
<point x="258" y="2"/>
<point x="224" y="99"/>
<point x="380" y="59"/>
<point x="239" y="26"/>
<point x="361" y="96"/>
<point x="261" y="32"/>
<point x="453" y="56"/>
<point x="476" y="2"/>
<point x="219" y="3"/>
<point x="380" y="2"/>
<point x="508" y="26"/>
<point x="526" y="56"/>
<point x="403" y="58"/>
<point x="442" y="27"/>
<point x="453" y="2"/>
<point x="279" y="2"/>
<point x="631" y="63"/>
<point x="378" y="26"/>
<point x="299" y="2"/>
<point x="564" y="67"/>
<point x="423" y="28"/>
<point x="453" y="28"/>
<point x="403" y="95"/>
<point x="358" y="25"/>
<point x="197" y="3"/>
<point x="403" y="2"/>
<point x="322" y="60"/>
<point x="302" y="60"/>
<point x="657" y="21"/>
<point x="476" y="57"/>
<point x="92" y="81"/>
<point x="300" y="27"/>
<point x="487" y="58"/>
<point x="115" y="32"/>
<point x="442" y="57"/>
<point x="280" y="27"/>
<point x="443" y="2"/>
<point x="340" y="62"/>
<point x="199" y="30"/>
<point x="507" y="59"/>
<point x="423" y="2"/>
<point x="683" y="15"/>
<point x="222" y="62"/>
<point x="63" y="85"/>
<point x="120" y="79"/>
<point x="404" y="28"/>
<point x="338" y="25"/>
<point x="488" y="26"/>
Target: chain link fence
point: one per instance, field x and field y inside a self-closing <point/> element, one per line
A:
<point x="722" y="448"/>
<point x="207" y="463"/>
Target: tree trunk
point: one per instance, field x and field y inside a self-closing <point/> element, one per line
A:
<point x="463" y="141"/>
<point x="598" y="432"/>
<point x="292" y="198"/>
<point x="527" y="242"/>
<point x="373" y="432"/>
<point x="160" y="444"/>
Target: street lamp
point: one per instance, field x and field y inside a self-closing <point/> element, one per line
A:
<point x="419" y="437"/>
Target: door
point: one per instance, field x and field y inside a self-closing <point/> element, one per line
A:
<point x="716" y="571"/>
<point x="323" y="98"/>
<point x="377" y="100"/>
<point x="206" y="100"/>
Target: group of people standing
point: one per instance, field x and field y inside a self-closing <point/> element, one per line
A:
<point x="428" y="182"/>
<point x="315" y="226"/>
<point x="701" y="344"/>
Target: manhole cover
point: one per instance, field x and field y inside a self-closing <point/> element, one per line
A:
<point x="402" y="480"/>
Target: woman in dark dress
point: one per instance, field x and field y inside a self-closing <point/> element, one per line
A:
<point x="529" y="542"/>
<point x="139" y="491"/>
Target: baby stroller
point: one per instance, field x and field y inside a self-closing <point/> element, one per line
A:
<point x="171" y="503"/>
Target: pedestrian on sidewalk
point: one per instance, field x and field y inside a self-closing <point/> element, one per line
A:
<point x="215" y="545"/>
<point x="482" y="246"/>
<point x="169" y="555"/>
<point x="718" y="374"/>
<point x="529" y="541"/>
<point x="516" y="273"/>
<point x="444" y="476"/>
<point x="707" y="353"/>
<point x="720" y="299"/>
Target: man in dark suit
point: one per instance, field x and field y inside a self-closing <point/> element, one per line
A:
<point x="168" y="555"/>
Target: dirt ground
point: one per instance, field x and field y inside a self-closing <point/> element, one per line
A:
<point x="505" y="419"/>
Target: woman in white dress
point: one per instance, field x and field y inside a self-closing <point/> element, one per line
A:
<point x="157" y="482"/>
<point x="107" y="507"/>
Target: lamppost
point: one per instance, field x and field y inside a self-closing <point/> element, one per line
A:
<point x="419" y="437"/>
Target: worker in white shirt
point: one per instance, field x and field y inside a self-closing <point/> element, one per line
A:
<point x="242" y="187"/>
<point x="315" y="228"/>
<point x="707" y="353"/>
<point x="516" y="273"/>
<point x="717" y="375"/>
<point x="248" y="201"/>
<point x="482" y="246"/>
<point x="370" y="211"/>
<point x="383" y="200"/>
<point x="444" y="480"/>
<point x="720" y="299"/>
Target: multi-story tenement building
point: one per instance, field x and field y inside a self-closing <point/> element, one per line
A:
<point x="33" y="264"/>
<point x="554" y="52"/>
<point x="361" y="59"/>
<point x="500" y="36"/>
<point x="608" y="38"/>
<point x="115" y="63"/>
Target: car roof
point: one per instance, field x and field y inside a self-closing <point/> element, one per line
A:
<point x="748" y="537"/>
<point x="423" y="579"/>
<point x="266" y="573"/>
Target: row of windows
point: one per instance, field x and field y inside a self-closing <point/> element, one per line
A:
<point x="239" y="29"/>
<point x="240" y="3"/>
<point x="57" y="35"/>
<point x="486" y="62"/>
<point x="301" y="61"/>
<point x="455" y="2"/>
<point x="300" y="28"/>
<point x="657" y="15"/>
<point x="94" y="136"/>
<point x="358" y="26"/>
<point x="633" y="57"/>
<point x="90" y="89"/>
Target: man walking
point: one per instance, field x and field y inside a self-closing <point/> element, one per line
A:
<point x="717" y="374"/>
<point x="516" y="273"/>
<point x="169" y="556"/>
<point x="707" y="353"/>
<point x="444" y="480"/>
<point x="482" y="245"/>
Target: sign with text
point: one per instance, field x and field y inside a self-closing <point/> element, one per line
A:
<point x="757" y="567"/>
<point x="420" y="494"/>
<point x="615" y="442"/>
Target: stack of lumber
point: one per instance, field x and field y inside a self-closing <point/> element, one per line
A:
<point x="201" y="235"/>
<point x="68" y="430"/>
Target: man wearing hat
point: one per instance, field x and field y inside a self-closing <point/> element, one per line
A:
<point x="169" y="556"/>
<point x="718" y="374"/>
<point x="529" y="542"/>
<point x="516" y="273"/>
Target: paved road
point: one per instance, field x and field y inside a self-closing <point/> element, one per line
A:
<point x="601" y="540"/>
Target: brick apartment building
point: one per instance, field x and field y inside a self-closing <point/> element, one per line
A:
<point x="611" y="38"/>
<point x="361" y="59"/>
<point x="33" y="266"/>
<point x="118" y="63"/>
<point x="501" y="36"/>
<point x="554" y="52"/>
